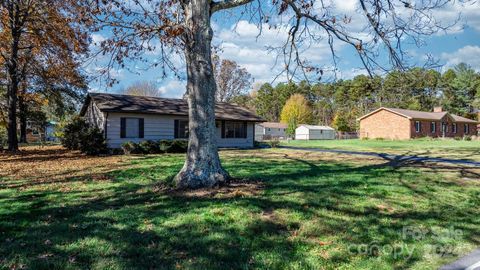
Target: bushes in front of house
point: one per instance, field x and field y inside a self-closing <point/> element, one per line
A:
<point x="155" y="147"/>
<point x="274" y="143"/>
<point x="78" y="135"/>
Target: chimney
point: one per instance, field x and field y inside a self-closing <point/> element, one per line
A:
<point x="438" y="109"/>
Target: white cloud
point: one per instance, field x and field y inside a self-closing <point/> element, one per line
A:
<point x="97" y="38"/>
<point x="467" y="54"/>
<point x="468" y="12"/>
<point x="172" y="89"/>
<point x="243" y="44"/>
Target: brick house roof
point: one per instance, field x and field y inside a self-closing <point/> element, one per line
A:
<point x="412" y="114"/>
<point x="165" y="106"/>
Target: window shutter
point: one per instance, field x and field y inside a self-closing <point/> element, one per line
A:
<point x="123" y="127"/>
<point x="245" y="130"/>
<point x="141" y="127"/>
<point x="223" y="129"/>
<point x="175" y="135"/>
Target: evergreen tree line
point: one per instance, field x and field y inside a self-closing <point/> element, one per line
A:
<point x="340" y="103"/>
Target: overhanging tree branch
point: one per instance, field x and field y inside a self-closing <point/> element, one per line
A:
<point x="227" y="4"/>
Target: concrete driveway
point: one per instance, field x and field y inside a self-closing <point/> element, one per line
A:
<point x="469" y="262"/>
<point x="390" y="157"/>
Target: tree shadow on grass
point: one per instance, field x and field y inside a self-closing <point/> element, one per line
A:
<point x="125" y="225"/>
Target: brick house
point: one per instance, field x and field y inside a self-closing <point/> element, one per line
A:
<point x="400" y="124"/>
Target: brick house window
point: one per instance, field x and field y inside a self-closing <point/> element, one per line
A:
<point x="454" y="127"/>
<point x="417" y="126"/>
<point x="466" y="129"/>
<point x="433" y="127"/>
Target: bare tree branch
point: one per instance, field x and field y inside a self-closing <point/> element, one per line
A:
<point x="227" y="4"/>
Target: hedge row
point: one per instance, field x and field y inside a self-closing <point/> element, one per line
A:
<point x="155" y="147"/>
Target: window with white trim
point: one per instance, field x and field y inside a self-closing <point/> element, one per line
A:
<point x="417" y="126"/>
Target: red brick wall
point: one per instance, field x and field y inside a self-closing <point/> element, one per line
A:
<point x="388" y="125"/>
<point x="426" y="130"/>
<point x="385" y="124"/>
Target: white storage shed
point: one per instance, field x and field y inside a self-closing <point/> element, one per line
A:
<point x="309" y="132"/>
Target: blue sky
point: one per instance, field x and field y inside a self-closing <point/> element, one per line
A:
<point x="238" y="41"/>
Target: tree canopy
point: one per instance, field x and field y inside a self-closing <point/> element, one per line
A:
<point x="340" y="103"/>
<point x="40" y="42"/>
<point x="296" y="110"/>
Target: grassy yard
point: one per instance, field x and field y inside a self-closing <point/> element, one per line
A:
<point x="447" y="148"/>
<point x="285" y="210"/>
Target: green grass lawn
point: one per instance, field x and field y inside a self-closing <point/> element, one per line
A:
<point x="447" y="148"/>
<point x="288" y="211"/>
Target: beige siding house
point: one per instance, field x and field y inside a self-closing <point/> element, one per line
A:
<point x="270" y="130"/>
<point x="125" y="118"/>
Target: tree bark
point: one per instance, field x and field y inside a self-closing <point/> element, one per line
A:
<point x="12" y="98"/>
<point x="22" y="108"/>
<point x="13" y="78"/>
<point x="12" y="112"/>
<point x="202" y="166"/>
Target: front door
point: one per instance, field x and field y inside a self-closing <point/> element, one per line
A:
<point x="444" y="129"/>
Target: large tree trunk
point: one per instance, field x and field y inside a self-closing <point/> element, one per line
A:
<point x="202" y="167"/>
<point x="12" y="98"/>
<point x="13" y="78"/>
<point x="12" y="114"/>
<point x="22" y="108"/>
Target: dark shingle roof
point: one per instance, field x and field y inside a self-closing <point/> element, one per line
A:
<point x="166" y="106"/>
<point x="419" y="114"/>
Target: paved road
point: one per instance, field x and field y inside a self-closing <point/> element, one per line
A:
<point x="469" y="262"/>
<point x="390" y="157"/>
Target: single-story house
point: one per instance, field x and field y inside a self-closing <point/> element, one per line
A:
<point x="310" y="132"/>
<point x="477" y="112"/>
<point x="393" y="123"/>
<point x="270" y="130"/>
<point x="124" y="118"/>
<point x="44" y="132"/>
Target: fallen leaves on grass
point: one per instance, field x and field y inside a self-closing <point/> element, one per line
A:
<point x="36" y="165"/>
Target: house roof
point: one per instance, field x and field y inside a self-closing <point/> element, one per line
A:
<point x="412" y="114"/>
<point x="312" y="127"/>
<point x="165" y="106"/>
<point x="273" y="125"/>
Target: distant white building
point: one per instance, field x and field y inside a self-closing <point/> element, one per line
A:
<point x="309" y="132"/>
<point x="270" y="130"/>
